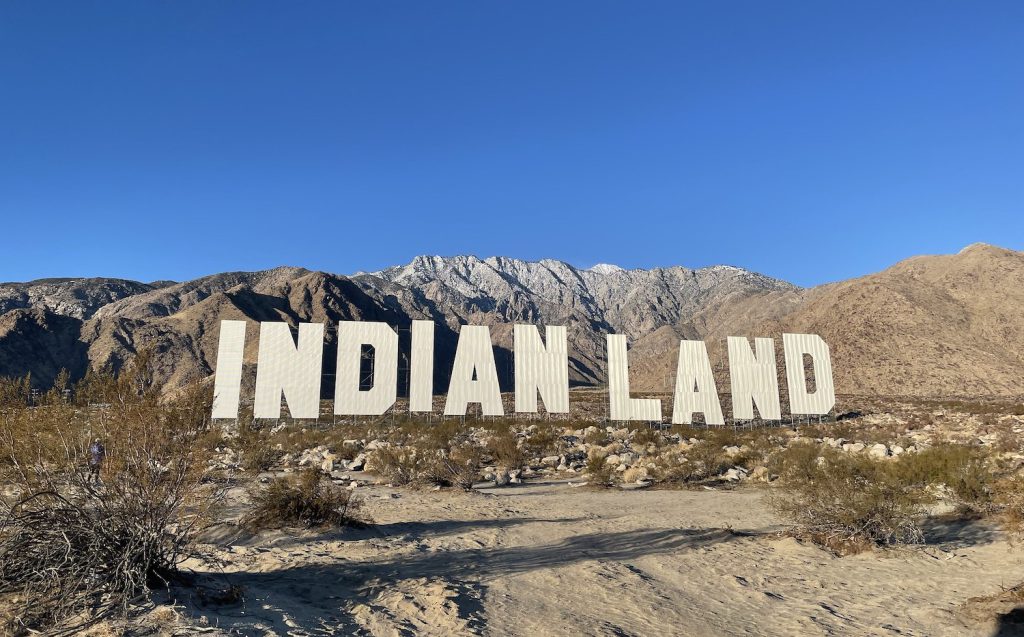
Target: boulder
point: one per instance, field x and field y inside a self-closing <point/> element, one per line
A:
<point x="878" y="451"/>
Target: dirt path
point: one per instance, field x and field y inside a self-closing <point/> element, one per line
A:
<point x="550" y="559"/>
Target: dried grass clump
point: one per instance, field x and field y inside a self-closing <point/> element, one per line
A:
<point x="304" y="500"/>
<point x="74" y="551"/>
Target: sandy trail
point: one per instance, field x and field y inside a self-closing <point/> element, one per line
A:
<point x="549" y="559"/>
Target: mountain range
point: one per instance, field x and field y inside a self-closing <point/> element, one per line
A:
<point x="929" y="326"/>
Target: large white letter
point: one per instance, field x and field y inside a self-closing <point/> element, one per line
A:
<point x="421" y="367"/>
<point x="695" y="386"/>
<point x="227" y="380"/>
<point x="284" y="367"/>
<point x="824" y="397"/>
<point x="754" y="380"/>
<point x="620" y="405"/>
<point x="348" y="399"/>
<point x="540" y="369"/>
<point x="474" y="356"/>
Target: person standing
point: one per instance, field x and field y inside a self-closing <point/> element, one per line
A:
<point x="97" y="454"/>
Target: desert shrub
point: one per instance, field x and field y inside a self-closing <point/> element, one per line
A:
<point x="700" y="463"/>
<point x="459" y="467"/>
<point x="70" y="548"/>
<point x="708" y="460"/>
<point x="543" y="441"/>
<point x="798" y="461"/>
<point x="504" y="447"/>
<point x="848" y="503"/>
<point x="397" y="465"/>
<point x="961" y="468"/>
<point x="260" y="457"/>
<point x="1008" y="496"/>
<point x="597" y="436"/>
<point x="643" y="436"/>
<point x="599" y="472"/>
<point x="305" y="500"/>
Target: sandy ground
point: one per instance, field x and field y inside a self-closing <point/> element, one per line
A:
<point x="551" y="559"/>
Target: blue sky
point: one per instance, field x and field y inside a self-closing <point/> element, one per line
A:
<point x="167" y="140"/>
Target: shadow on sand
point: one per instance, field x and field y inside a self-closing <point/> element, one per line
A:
<point x="957" y="533"/>
<point x="309" y="594"/>
<point x="1010" y="624"/>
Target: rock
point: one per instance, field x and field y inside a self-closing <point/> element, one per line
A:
<point x="896" y="450"/>
<point x="501" y="478"/>
<point x="550" y="461"/>
<point x="358" y="463"/>
<point x="760" y="473"/>
<point x="878" y="451"/>
<point x="734" y="475"/>
<point x="611" y="459"/>
<point x="855" y="447"/>
<point x="731" y="451"/>
<point x="374" y="445"/>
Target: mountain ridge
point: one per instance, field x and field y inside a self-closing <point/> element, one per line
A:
<point x="891" y="332"/>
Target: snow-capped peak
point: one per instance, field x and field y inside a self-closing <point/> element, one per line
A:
<point x="605" y="268"/>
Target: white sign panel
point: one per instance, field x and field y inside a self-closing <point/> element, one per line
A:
<point x="349" y="400"/>
<point x="474" y="374"/>
<point x="802" y="402"/>
<point x="541" y="369"/>
<point x="284" y="367"/>
<point x="695" y="386"/>
<point x="620" y="405"/>
<point x="227" y="381"/>
<point x="292" y="370"/>
<point x="754" y="380"/>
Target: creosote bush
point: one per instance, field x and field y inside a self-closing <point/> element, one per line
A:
<point x="74" y="551"/>
<point x="305" y="500"/>
<point x="848" y="503"/>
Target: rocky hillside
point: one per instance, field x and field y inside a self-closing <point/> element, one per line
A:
<point x="928" y="326"/>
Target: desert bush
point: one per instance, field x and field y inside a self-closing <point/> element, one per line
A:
<point x="963" y="469"/>
<point x="543" y="441"/>
<point x="797" y="462"/>
<point x="72" y="550"/>
<point x="1008" y="497"/>
<point x="504" y="447"/>
<point x="599" y="472"/>
<point x="848" y="503"/>
<point x="598" y="437"/>
<point x="305" y="500"/>
<point x="643" y="436"/>
<point x="703" y="461"/>
<point x="258" y="452"/>
<point x="459" y="466"/>
<point x="398" y="465"/>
